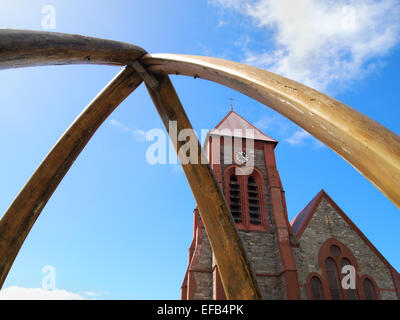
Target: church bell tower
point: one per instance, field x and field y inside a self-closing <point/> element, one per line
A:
<point x="243" y="161"/>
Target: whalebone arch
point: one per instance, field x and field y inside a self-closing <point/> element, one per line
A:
<point x="368" y="146"/>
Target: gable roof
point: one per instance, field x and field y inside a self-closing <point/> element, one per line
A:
<point x="300" y="222"/>
<point x="234" y="121"/>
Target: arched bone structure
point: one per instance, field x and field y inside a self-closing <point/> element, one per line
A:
<point x="368" y="146"/>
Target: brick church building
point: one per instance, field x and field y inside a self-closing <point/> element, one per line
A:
<point x="301" y="259"/>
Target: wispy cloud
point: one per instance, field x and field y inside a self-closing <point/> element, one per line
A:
<point x="138" y="134"/>
<point x="273" y="125"/>
<point x="20" y="293"/>
<point x="298" y="137"/>
<point x="321" y="43"/>
<point x="301" y="137"/>
<point x="282" y="129"/>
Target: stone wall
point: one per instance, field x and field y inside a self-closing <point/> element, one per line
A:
<point x="264" y="255"/>
<point x="320" y="229"/>
<point x="262" y="247"/>
<point x="264" y="258"/>
<point x="201" y="267"/>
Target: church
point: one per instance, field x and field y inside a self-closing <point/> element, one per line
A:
<point x="300" y="259"/>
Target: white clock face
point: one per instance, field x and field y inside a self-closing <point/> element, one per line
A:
<point x="241" y="157"/>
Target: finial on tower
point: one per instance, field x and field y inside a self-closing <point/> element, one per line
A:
<point x="231" y="103"/>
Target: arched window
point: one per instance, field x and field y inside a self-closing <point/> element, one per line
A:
<point x="351" y="293"/>
<point x="254" y="201"/>
<point x="246" y="198"/>
<point x="234" y="198"/>
<point x="316" y="289"/>
<point x="369" y="289"/>
<point x="333" y="279"/>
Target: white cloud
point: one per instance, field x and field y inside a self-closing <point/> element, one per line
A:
<point x="138" y="134"/>
<point x="119" y="125"/>
<point x="19" y="293"/>
<point x="273" y="125"/>
<point x="278" y="127"/>
<point x="298" y="137"/>
<point x="90" y="294"/>
<point x="321" y="43"/>
<point x="228" y="3"/>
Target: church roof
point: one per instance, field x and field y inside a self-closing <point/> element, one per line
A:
<point x="300" y="222"/>
<point x="234" y="121"/>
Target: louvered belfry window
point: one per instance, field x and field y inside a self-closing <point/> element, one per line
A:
<point x="234" y="198"/>
<point x="316" y="288"/>
<point x="369" y="289"/>
<point x="333" y="279"/>
<point x="351" y="293"/>
<point x="254" y="201"/>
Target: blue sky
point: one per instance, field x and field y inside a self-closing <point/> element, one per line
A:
<point x="120" y="228"/>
